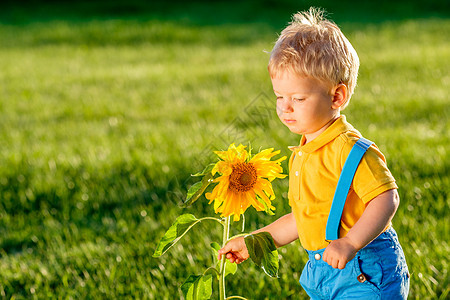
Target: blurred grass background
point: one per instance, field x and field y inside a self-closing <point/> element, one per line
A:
<point x="106" y="108"/>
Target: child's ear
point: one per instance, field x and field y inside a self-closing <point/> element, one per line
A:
<point x="339" y="94"/>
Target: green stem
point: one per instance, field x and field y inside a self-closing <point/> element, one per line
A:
<point x="236" y="297"/>
<point x="211" y="218"/>
<point x="226" y="232"/>
<point x="212" y="269"/>
<point x="238" y="235"/>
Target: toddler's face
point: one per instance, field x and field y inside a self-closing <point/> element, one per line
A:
<point x="304" y="104"/>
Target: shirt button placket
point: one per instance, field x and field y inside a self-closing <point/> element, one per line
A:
<point x="299" y="153"/>
<point x="298" y="167"/>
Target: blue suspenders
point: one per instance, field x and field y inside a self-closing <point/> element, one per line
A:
<point x="343" y="186"/>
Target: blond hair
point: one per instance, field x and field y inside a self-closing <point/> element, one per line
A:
<point x="314" y="46"/>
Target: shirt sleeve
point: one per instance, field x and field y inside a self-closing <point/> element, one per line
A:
<point x="372" y="176"/>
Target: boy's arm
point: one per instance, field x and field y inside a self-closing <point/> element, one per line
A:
<point x="377" y="215"/>
<point x="283" y="232"/>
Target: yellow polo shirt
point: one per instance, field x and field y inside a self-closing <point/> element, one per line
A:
<point x="314" y="170"/>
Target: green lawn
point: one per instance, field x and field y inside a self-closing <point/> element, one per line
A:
<point x="106" y="110"/>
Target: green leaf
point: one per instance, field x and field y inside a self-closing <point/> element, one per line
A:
<point x="230" y="268"/>
<point x="197" y="189"/>
<point x="207" y="170"/>
<point x="215" y="247"/>
<point x="198" y="287"/>
<point x="182" y="225"/>
<point x="193" y="189"/>
<point x="266" y="207"/>
<point x="263" y="252"/>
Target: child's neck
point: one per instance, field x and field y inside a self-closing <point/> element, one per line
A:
<point x="312" y="136"/>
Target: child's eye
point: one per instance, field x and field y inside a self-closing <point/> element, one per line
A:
<point x="279" y="98"/>
<point x="298" y="99"/>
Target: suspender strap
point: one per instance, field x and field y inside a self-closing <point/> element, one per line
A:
<point x="343" y="186"/>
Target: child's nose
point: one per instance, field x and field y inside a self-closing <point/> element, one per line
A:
<point x="285" y="106"/>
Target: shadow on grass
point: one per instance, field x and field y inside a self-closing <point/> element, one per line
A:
<point x="202" y="12"/>
<point x="213" y="23"/>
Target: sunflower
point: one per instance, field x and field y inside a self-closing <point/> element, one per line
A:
<point x="245" y="181"/>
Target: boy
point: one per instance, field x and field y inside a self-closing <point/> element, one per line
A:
<point x="313" y="69"/>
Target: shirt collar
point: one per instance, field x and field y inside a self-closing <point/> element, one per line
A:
<point x="339" y="126"/>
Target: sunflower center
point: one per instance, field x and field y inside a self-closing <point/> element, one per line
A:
<point x="243" y="177"/>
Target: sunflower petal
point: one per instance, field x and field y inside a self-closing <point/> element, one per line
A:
<point x="223" y="168"/>
<point x="217" y="204"/>
<point x="255" y="203"/>
<point x="265" y="154"/>
<point x="234" y="200"/>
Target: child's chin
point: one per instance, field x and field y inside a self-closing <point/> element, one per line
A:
<point x="295" y="130"/>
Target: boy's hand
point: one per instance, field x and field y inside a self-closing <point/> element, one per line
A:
<point x="339" y="252"/>
<point x="235" y="251"/>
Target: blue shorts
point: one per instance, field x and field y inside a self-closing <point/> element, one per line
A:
<point x="378" y="271"/>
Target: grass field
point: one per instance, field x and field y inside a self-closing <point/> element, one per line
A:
<point x="106" y="109"/>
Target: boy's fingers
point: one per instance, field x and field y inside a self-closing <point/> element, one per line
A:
<point x="224" y="251"/>
<point x="231" y="257"/>
<point x="232" y="249"/>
